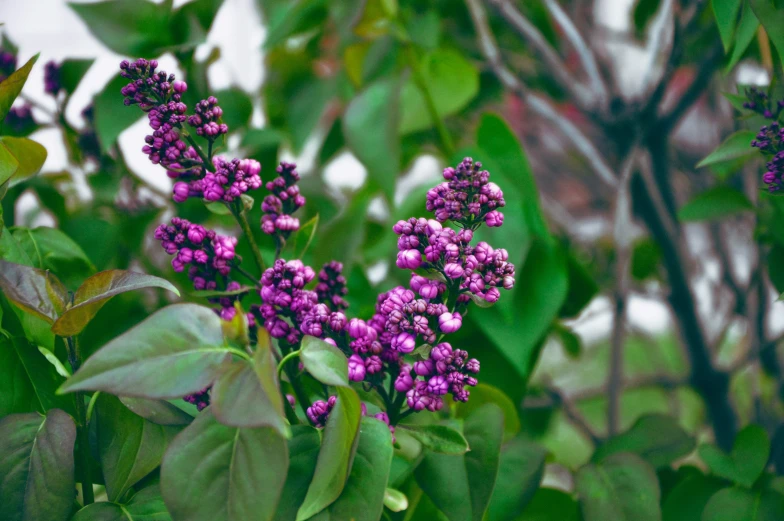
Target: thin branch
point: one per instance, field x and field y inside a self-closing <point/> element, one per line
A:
<point x="536" y="103"/>
<point x="583" y="51"/>
<point x="554" y="63"/>
<point x="661" y="28"/>
<point x="622" y="234"/>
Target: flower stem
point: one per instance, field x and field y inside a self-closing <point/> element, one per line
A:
<point x="82" y="434"/>
<point x="242" y="219"/>
<point x="293" y="354"/>
<point x="447" y="146"/>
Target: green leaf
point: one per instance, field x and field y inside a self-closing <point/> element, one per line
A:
<point x="129" y="27"/>
<point x="213" y="472"/>
<point x="736" y="145"/>
<point x="715" y="203"/>
<point x="11" y="87"/>
<point x="737" y="504"/>
<point x="551" y="505"/>
<point x="97" y="290"/>
<point x="208" y="293"/>
<point x="771" y="16"/>
<point x="519" y="474"/>
<point x="726" y="12"/>
<point x="159" y="412"/>
<point x="237" y="108"/>
<point x="176" y="351"/>
<point x="8" y="167"/>
<point x="747" y="30"/>
<point x="56" y="363"/>
<point x="646" y="258"/>
<point x="748" y="458"/>
<point x="303" y="454"/>
<point x="145" y="505"/>
<point x="370" y="126"/>
<point x="517" y="325"/>
<point x="623" y="487"/>
<point x="287" y="19"/>
<point x="247" y="394"/>
<point x="443" y="478"/>
<point x="28" y="155"/>
<point x="362" y="498"/>
<point x="27" y="381"/>
<point x="72" y="71"/>
<point x="438" y="438"/>
<point x="687" y="500"/>
<point x="453" y="82"/>
<point x="37" y="465"/>
<point x="656" y="438"/>
<point x="484" y="393"/>
<point x="51" y="249"/>
<point x="325" y="362"/>
<point x="111" y="116"/>
<point x="337" y="451"/>
<point x="305" y="110"/>
<point x="32" y="290"/>
<point x="129" y="447"/>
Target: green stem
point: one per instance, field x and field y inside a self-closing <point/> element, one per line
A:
<point x="293" y="354"/>
<point x="91" y="406"/>
<point x="205" y="161"/>
<point x="241" y="354"/>
<point x="243" y="222"/>
<point x="81" y="419"/>
<point x="419" y="79"/>
<point x="247" y="274"/>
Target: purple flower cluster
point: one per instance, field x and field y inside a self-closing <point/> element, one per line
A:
<point x="207" y="255"/>
<point x="759" y="102"/>
<point x="318" y="413"/>
<point x="206" y="118"/>
<point x="331" y="287"/>
<point x="467" y="197"/>
<point x="20" y="118"/>
<point x="230" y="180"/>
<point x="284" y="296"/>
<point x="770" y="141"/>
<point x="52" y="81"/>
<point x="283" y="201"/>
<point x="201" y="399"/>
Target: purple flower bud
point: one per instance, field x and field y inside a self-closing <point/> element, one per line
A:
<point x="472" y="366"/>
<point x="450" y="322"/>
<point x="357" y="328"/>
<point x="442" y="351"/>
<point x="423" y="368"/>
<point x="494" y="219"/>
<point x="404" y="382"/>
<point x="453" y="270"/>
<point x="179" y="86"/>
<point x="373" y="364"/>
<point x="292" y="401"/>
<point x="356" y="368"/>
<point x="492" y="295"/>
<point x="404" y="342"/>
<point x="180" y="192"/>
<point x="409" y="259"/>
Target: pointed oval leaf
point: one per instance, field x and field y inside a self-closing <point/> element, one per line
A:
<point x="688" y="499"/>
<point x="72" y="71"/>
<point x="37" y="465"/>
<point x="247" y="394"/>
<point x="212" y="472"/>
<point x="484" y="430"/>
<point x="96" y="290"/>
<point x="304" y="447"/>
<point x="739" y="504"/>
<point x="160" y="412"/>
<point x="175" y="352"/>
<point x="623" y="487"/>
<point x="438" y="438"/>
<point x="325" y="362"/>
<point x="520" y="473"/>
<point x="736" y="145"/>
<point x="29" y="154"/>
<point x="11" y="87"/>
<point x="337" y="451"/>
<point x="145" y="505"/>
<point x="32" y="290"/>
<point x="715" y="203"/>
<point x="129" y="447"/>
<point x="484" y="393"/>
<point x="657" y="438"/>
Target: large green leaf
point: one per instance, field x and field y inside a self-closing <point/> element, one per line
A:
<point x="325" y="362"/>
<point x="623" y="487"/>
<point x="438" y="438"/>
<point x="175" y="352"/>
<point x="51" y="249"/>
<point x="551" y="505"/>
<point x="687" y="500"/>
<point x="771" y="16"/>
<point x="27" y="381"/>
<point x="97" y="290"/>
<point x="247" y="394"/>
<point x="747" y="29"/>
<point x="337" y="452"/>
<point x="129" y="447"/>
<point x="303" y="454"/>
<point x="738" y="504"/>
<point x="453" y="82"/>
<point x="145" y="505"/>
<point x="484" y="393"/>
<point x="129" y="27"/>
<point x="362" y="498"/>
<point x="715" y="203"/>
<point x="11" y="87"/>
<point x="519" y="474"/>
<point x="306" y="109"/>
<point x="28" y="155"/>
<point x="212" y="472"/>
<point x="370" y="127"/>
<point x="159" y="412"/>
<point x="37" y="465"/>
<point x="111" y="116"/>
<point x="32" y="290"/>
<point x="461" y="485"/>
<point x="747" y="460"/>
<point x="656" y="438"/>
<point x="726" y="12"/>
<point x="72" y="70"/>
<point x="735" y="146"/>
